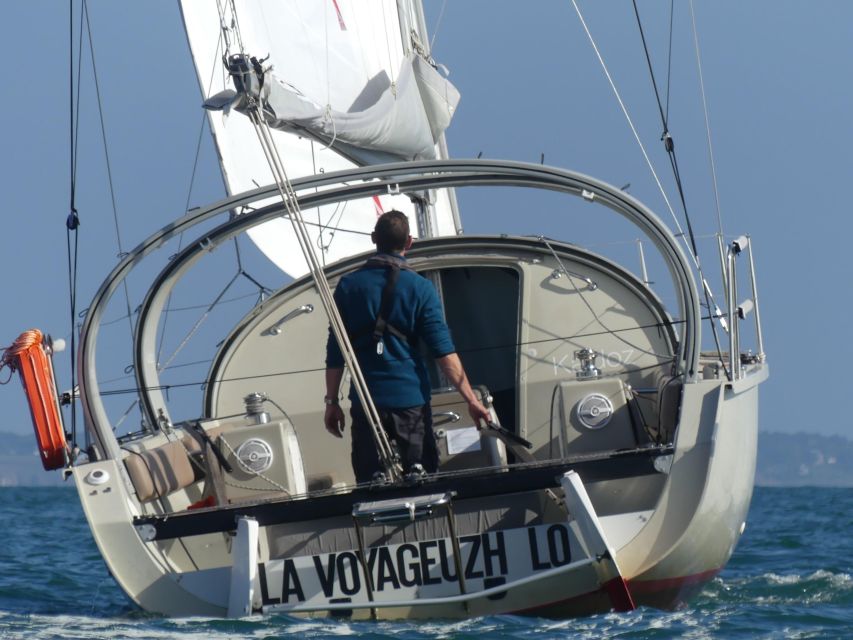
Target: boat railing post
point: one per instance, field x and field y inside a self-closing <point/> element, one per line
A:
<point x="737" y="246"/>
<point x="730" y="277"/>
<point x="723" y="270"/>
<point x="758" y="335"/>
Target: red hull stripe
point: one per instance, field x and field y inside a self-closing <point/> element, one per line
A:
<point x="653" y="586"/>
<point x="637" y="587"/>
<point x="620" y="597"/>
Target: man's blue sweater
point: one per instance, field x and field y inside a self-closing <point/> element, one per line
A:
<point x="397" y="378"/>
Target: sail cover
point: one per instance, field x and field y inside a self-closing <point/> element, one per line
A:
<point x="342" y="89"/>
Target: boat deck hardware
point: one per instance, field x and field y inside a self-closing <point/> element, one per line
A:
<point x="406" y="510"/>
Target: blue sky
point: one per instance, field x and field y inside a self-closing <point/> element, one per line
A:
<point x="777" y="77"/>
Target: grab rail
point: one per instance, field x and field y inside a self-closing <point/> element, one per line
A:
<point x="739" y="311"/>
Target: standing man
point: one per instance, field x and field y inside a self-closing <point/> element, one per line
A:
<point x="387" y="308"/>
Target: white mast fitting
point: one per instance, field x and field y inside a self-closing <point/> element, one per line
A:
<point x="346" y="78"/>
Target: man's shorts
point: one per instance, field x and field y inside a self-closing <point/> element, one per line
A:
<point x="410" y="429"/>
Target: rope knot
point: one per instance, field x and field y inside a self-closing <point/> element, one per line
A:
<point x="72" y="221"/>
<point x="23" y="342"/>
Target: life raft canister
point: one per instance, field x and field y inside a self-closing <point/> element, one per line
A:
<point x="29" y="356"/>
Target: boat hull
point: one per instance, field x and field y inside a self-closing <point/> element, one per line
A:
<point x="710" y="489"/>
<point x="685" y="541"/>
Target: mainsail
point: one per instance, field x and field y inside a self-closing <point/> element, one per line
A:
<point x="344" y="83"/>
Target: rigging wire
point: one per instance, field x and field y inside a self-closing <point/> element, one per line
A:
<point x="72" y="221"/>
<point x="666" y="137"/>
<point x="168" y="306"/>
<point x="106" y="155"/>
<point x="664" y="358"/>
<point x="204" y="119"/>
<point x="571" y="277"/>
<point x="707" y="120"/>
<point x="669" y="55"/>
<point x="265" y="376"/>
<point x="391" y="69"/>
<point x="629" y="120"/>
<point x="291" y="202"/>
<point x="437" y="25"/>
<point x="669" y="146"/>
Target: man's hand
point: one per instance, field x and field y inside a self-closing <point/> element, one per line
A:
<point x="334" y="420"/>
<point x="479" y="412"/>
<point x="451" y="366"/>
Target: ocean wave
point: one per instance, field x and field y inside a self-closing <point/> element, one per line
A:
<point x="770" y="590"/>
<point x="817" y="587"/>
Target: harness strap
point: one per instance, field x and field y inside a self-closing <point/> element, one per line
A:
<point x="391" y="276"/>
<point x="392" y="265"/>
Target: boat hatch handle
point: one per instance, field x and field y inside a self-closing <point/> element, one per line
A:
<point x="275" y="329"/>
<point x="461" y="598"/>
<point x="446" y="417"/>
<point x="400" y="509"/>
<point x="561" y="270"/>
<point x="558" y="273"/>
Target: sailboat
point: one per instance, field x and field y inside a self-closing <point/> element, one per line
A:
<point x="616" y="471"/>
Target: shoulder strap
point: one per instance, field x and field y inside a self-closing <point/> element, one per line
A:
<point x="392" y="274"/>
<point x="392" y="266"/>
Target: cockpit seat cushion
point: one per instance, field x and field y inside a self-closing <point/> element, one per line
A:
<point x="158" y="472"/>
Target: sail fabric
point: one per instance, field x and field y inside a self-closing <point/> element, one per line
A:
<point x="340" y="68"/>
<point x="403" y="120"/>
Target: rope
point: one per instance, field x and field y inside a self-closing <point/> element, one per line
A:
<point x="669" y="55"/>
<point x="509" y="345"/>
<point x="198" y="323"/>
<point x="391" y="69"/>
<point x="628" y="118"/>
<point x="72" y="222"/>
<point x="669" y="146"/>
<point x="213" y="69"/>
<point x="607" y="329"/>
<point x="107" y="155"/>
<point x="707" y="120"/>
<point x="437" y="25"/>
<point x="23" y="342"/>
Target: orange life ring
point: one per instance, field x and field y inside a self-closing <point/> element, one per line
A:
<point x="30" y="359"/>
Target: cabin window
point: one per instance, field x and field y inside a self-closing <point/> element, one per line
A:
<point x="481" y="308"/>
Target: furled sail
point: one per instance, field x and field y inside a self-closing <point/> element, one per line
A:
<point x="343" y="85"/>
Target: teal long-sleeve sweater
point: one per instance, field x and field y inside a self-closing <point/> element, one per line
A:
<point x="397" y="377"/>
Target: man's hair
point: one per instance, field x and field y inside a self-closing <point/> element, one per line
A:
<point x="391" y="231"/>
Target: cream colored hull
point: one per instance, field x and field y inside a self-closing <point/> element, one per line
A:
<point x="702" y="513"/>
<point x="686" y="540"/>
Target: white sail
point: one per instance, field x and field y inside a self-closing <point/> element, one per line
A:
<point x="337" y="57"/>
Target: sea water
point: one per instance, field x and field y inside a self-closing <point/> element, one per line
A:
<point x="790" y="577"/>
